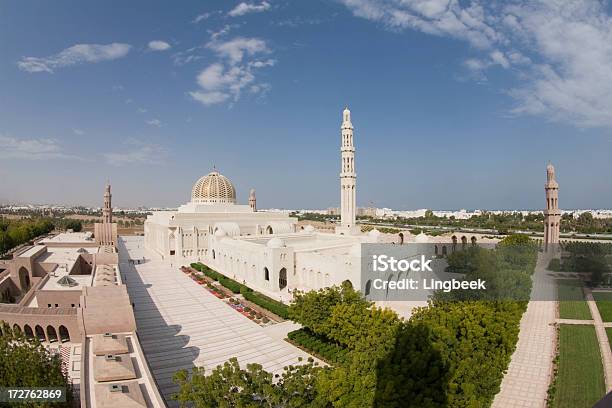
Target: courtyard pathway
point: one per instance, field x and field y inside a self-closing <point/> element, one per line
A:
<point x="180" y="325"/>
<point x="525" y="384"/>
<point x="602" y="338"/>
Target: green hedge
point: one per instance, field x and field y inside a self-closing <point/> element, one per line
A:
<point x="272" y="305"/>
<point x="267" y="303"/>
<point x="329" y="351"/>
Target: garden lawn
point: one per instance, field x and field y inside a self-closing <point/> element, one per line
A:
<point x="572" y="304"/>
<point x="604" y="304"/>
<point x="580" y="380"/>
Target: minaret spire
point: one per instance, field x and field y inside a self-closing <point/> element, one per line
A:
<point x="348" y="177"/>
<point x="107" y="210"/>
<point x="552" y="214"/>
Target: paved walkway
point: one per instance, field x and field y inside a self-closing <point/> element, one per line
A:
<point x="602" y="338"/>
<point x="525" y="384"/>
<point x="181" y="325"/>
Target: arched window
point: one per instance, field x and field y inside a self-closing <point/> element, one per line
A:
<point x="64" y="334"/>
<point x="51" y="334"/>
<point x="40" y="333"/>
<point x="213" y="253"/>
<point x="266" y="274"/>
<point x="282" y="279"/>
<point x="269" y="230"/>
<point x="27" y="330"/>
<point x="24" y="279"/>
<point x="401" y="238"/>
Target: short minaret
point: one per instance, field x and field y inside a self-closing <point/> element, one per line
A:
<point x="552" y="214"/>
<point x="107" y="211"/>
<point x="348" y="177"/>
<point x="252" y="200"/>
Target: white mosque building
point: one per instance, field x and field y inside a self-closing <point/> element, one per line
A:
<point x="263" y="249"/>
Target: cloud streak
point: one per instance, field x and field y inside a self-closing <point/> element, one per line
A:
<point x="75" y="55"/>
<point x="136" y="152"/>
<point x="561" y="51"/>
<point x="31" y="149"/>
<point x="247" y="8"/>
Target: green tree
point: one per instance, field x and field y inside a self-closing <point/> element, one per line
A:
<point x="27" y="363"/>
<point x="228" y="385"/>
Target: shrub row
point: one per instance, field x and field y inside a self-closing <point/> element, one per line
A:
<point x="267" y="303"/>
<point x="272" y="305"/>
<point x="329" y="351"/>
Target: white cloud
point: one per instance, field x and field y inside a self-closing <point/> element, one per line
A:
<point x="78" y="132"/>
<point x="158" y="45"/>
<point x="136" y="152"/>
<point x="31" y="149"/>
<point x="246" y="8"/>
<point x="77" y="54"/>
<point x="142" y="110"/>
<point x="561" y="50"/>
<point x="234" y="72"/>
<point x="154" y="122"/>
<point x="237" y="48"/>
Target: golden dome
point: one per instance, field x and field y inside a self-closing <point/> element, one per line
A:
<point x="213" y="188"/>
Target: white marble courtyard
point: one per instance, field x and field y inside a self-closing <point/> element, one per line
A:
<point x="181" y="325"/>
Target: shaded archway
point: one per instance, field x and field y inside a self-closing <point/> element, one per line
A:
<point x="435" y="250"/>
<point x="266" y="274"/>
<point x="368" y="287"/>
<point x="473" y="239"/>
<point x="16" y="329"/>
<point x="401" y="238"/>
<point x="463" y="241"/>
<point x="444" y="250"/>
<point x="27" y="330"/>
<point x="282" y="279"/>
<point x="51" y="334"/>
<point x="40" y="333"/>
<point x="64" y="334"/>
<point x="269" y="230"/>
<point x="454" y="247"/>
<point x="24" y="279"/>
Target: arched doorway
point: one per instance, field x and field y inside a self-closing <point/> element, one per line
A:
<point x="368" y="287"/>
<point x="51" y="334"/>
<point x="347" y="284"/>
<point x="473" y="239"/>
<point x="16" y="329"/>
<point x="24" y="279"/>
<point x="435" y="250"/>
<point x="266" y="274"/>
<point x="27" y="330"/>
<point x="463" y="241"/>
<point x="444" y="250"/>
<point x="269" y="230"/>
<point x="282" y="279"/>
<point x="40" y="333"/>
<point x="454" y="238"/>
<point x="401" y="238"/>
<point x="64" y="334"/>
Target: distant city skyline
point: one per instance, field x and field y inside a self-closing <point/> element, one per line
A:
<point x="454" y="106"/>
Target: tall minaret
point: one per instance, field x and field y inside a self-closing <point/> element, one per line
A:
<point x="552" y="214"/>
<point x="107" y="211"/>
<point x="348" y="177"/>
<point x="252" y="200"/>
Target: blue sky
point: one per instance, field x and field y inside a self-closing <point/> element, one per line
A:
<point x="455" y="104"/>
